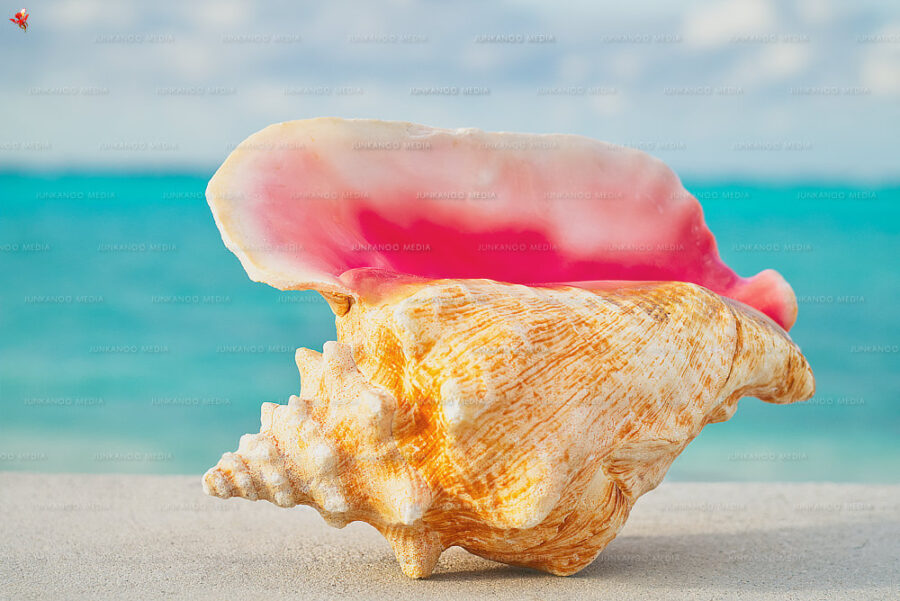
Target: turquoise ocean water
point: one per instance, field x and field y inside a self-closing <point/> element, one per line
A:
<point x="131" y="340"/>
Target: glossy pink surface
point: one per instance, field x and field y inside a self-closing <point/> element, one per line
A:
<point x="308" y="201"/>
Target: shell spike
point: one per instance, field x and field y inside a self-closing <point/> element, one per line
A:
<point x="417" y="550"/>
<point x="767" y="363"/>
<point x="253" y="472"/>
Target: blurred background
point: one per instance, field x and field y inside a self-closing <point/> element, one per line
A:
<point x="131" y="340"/>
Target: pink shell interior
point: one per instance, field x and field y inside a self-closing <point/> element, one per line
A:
<point x="303" y="203"/>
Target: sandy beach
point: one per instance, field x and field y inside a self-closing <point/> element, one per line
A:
<point x="153" y="537"/>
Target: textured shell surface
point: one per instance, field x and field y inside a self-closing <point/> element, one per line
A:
<point x="520" y="422"/>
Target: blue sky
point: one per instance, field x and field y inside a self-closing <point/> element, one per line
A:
<point x="721" y="88"/>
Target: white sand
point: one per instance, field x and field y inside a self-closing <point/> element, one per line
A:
<point x="147" y="537"/>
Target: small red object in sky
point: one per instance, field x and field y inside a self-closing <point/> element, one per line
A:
<point x="21" y="19"/>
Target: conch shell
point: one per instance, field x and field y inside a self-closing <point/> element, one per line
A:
<point x="511" y="405"/>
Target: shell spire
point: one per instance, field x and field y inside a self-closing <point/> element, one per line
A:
<point x="332" y="448"/>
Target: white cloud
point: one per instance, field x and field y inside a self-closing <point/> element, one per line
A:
<point x="219" y="15"/>
<point x="609" y="105"/>
<point x="573" y="68"/>
<point x="714" y="24"/>
<point x="880" y="72"/>
<point x="627" y="66"/>
<point x="79" y="14"/>
<point x="768" y="63"/>
<point x="190" y="61"/>
<point x="880" y="62"/>
<point x="815" y="12"/>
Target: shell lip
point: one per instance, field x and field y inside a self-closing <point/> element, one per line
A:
<point x="636" y="216"/>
